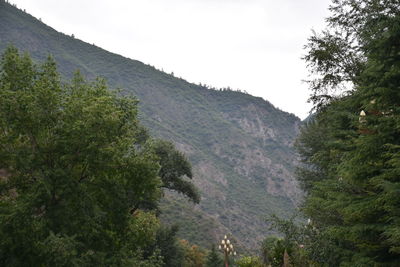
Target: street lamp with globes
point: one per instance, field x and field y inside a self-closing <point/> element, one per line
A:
<point x="227" y="247"/>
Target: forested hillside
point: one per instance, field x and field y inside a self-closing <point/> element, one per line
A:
<point x="240" y="146"/>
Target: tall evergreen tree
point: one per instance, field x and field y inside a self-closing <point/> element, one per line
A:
<point x="351" y="171"/>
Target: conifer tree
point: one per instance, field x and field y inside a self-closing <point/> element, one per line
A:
<point x="351" y="171"/>
<point x="214" y="259"/>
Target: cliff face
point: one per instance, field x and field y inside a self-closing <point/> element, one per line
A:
<point x="240" y="146"/>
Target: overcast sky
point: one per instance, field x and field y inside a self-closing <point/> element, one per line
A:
<point x="252" y="45"/>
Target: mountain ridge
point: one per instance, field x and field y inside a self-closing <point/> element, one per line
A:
<point x="239" y="145"/>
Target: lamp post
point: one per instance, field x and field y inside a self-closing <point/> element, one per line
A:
<point x="227" y="247"/>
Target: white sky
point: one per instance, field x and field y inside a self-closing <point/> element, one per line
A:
<point x="252" y="45"/>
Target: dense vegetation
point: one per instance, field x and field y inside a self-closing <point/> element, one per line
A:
<point x="351" y="148"/>
<point x="80" y="177"/>
<point x="240" y="146"/>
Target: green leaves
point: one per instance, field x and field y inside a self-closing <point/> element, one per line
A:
<point x="174" y="169"/>
<point x="214" y="258"/>
<point x="75" y="166"/>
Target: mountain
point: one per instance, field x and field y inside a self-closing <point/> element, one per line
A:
<point x="240" y="146"/>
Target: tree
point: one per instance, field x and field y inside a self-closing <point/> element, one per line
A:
<point x="249" y="261"/>
<point x="74" y="164"/>
<point x="174" y="168"/>
<point x="214" y="259"/>
<point x="338" y="55"/>
<point x="304" y="244"/>
<point x="351" y="166"/>
<point x="194" y="255"/>
<point x="170" y="248"/>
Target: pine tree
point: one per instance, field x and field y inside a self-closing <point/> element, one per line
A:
<point x="214" y="259"/>
<point x="351" y="171"/>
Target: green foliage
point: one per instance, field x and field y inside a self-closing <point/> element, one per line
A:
<point x="73" y="166"/>
<point x="57" y="250"/>
<point x="194" y="255"/>
<point x="356" y="30"/>
<point x="304" y="244"/>
<point x="174" y="168"/>
<point x="351" y="169"/>
<point x="249" y="261"/>
<point x="143" y="228"/>
<point x="214" y="258"/>
<point x="171" y="250"/>
<point x="273" y="250"/>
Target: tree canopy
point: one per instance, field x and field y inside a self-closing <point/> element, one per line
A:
<point x="75" y="167"/>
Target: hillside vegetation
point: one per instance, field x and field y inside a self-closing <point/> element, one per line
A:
<point x="240" y="146"/>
